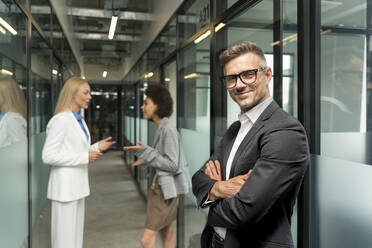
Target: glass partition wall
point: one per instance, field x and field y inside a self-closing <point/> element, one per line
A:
<point x="194" y="124"/>
<point x="14" y="204"/>
<point x="320" y="53"/>
<point x="343" y="169"/>
<point x="191" y="73"/>
<point x="31" y="75"/>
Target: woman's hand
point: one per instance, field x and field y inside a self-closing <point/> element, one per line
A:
<point x="137" y="163"/>
<point x="105" y="144"/>
<point x="93" y="156"/>
<point x="133" y="148"/>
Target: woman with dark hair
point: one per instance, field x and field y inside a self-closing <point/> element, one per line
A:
<point x="169" y="174"/>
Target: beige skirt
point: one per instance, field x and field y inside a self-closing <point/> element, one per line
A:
<point x="160" y="212"/>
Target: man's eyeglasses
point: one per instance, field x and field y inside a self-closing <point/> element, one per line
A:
<point x="247" y="77"/>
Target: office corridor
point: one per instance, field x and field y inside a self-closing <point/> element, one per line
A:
<point x="321" y="64"/>
<point x="115" y="210"/>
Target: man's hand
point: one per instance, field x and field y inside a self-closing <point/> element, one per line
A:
<point x="133" y="148"/>
<point x="229" y="188"/>
<point x="213" y="170"/>
<point x="105" y="144"/>
<point x="93" y="156"/>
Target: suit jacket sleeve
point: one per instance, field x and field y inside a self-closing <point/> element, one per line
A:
<point x="168" y="159"/>
<point x="53" y="148"/>
<point x="94" y="147"/>
<point x="201" y="183"/>
<point x="281" y="166"/>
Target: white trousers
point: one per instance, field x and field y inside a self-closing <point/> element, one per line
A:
<point x="68" y="224"/>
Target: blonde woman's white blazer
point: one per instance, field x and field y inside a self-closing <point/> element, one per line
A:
<point x="66" y="149"/>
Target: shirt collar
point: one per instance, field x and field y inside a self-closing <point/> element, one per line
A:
<point x="163" y="122"/>
<point x="254" y="113"/>
<point x="2" y="115"/>
<point x="77" y="116"/>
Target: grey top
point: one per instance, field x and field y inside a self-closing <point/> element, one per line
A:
<point x="168" y="159"/>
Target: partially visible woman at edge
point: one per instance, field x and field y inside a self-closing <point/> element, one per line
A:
<point x="169" y="171"/>
<point x="68" y="150"/>
<point x="13" y="125"/>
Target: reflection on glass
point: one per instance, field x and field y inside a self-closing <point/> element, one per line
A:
<point x="167" y="38"/>
<point x="344" y="13"/>
<point x="42" y="90"/>
<point x="170" y="79"/>
<point x="344" y="165"/>
<point x="13" y="139"/>
<point x="343" y="83"/>
<point x="341" y="203"/>
<point x="194" y="18"/>
<point x="13" y="125"/>
<point x="194" y="124"/>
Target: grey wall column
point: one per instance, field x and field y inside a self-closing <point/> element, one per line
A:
<point x="120" y="134"/>
<point x="308" y="103"/>
<point x="278" y="51"/>
<point x="29" y="108"/>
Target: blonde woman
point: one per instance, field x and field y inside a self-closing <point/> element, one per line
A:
<point x="13" y="125"/>
<point x="68" y="150"/>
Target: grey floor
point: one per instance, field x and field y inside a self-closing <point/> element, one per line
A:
<point x="115" y="211"/>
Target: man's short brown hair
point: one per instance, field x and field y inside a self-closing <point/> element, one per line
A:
<point x="242" y="48"/>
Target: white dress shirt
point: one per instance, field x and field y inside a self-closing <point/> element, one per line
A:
<point x="247" y="120"/>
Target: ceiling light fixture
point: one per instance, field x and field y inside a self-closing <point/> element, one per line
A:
<point x="2" y="30"/>
<point x="202" y="37"/>
<point x="55" y="72"/>
<point x="219" y="26"/>
<point x="6" y="72"/>
<point x="323" y="32"/>
<point x="104" y="74"/>
<point x="7" y="26"/>
<point x="192" y="75"/>
<point x="114" y="20"/>
<point x="275" y="43"/>
<point x="148" y="75"/>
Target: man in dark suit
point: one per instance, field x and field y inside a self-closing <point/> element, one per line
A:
<point x="251" y="181"/>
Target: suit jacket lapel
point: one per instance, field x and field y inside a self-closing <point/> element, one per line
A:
<point x="78" y="127"/>
<point x="157" y="137"/>
<point x="266" y="114"/>
<point x="86" y="129"/>
<point x="159" y="130"/>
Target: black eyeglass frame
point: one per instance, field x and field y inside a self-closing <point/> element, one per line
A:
<point x="239" y="75"/>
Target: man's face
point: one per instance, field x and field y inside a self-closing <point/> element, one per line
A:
<point x="248" y="96"/>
